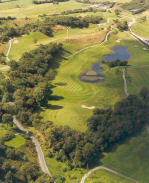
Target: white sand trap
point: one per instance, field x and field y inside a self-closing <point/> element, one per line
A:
<point x="118" y="41"/>
<point x="88" y="107"/>
<point x="145" y="49"/>
<point x="15" y="41"/>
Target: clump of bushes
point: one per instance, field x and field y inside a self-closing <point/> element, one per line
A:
<point x="115" y="63"/>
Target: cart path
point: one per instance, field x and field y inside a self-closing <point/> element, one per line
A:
<point x="107" y="169"/>
<point x="99" y="44"/>
<point x="10" y="45"/>
<point x="40" y="154"/>
<point x="125" y="82"/>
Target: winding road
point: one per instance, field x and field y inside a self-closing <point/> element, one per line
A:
<point x="41" y="158"/>
<point x="42" y="162"/>
<point x="140" y="38"/>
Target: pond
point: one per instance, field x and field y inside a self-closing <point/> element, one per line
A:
<point x="120" y="53"/>
<point x="94" y="75"/>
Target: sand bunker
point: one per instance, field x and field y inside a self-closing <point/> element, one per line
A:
<point x="15" y="41"/>
<point x="145" y="49"/>
<point x="118" y="41"/>
<point x="88" y="107"/>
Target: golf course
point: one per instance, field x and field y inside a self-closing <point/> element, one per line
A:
<point x="63" y="66"/>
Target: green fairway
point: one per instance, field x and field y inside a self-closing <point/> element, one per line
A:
<point x="73" y="93"/>
<point x="131" y="158"/>
<point x="106" y="177"/>
<point x="16" y="142"/>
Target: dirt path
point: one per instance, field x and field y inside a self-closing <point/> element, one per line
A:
<point x="125" y="82"/>
<point x="107" y="169"/>
<point x="40" y="154"/>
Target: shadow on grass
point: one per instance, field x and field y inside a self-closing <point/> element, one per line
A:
<point x="60" y="84"/>
<point x="54" y="107"/>
<point x="55" y="98"/>
<point x="95" y="161"/>
<point x="123" y="141"/>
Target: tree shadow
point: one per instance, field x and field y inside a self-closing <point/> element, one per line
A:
<point x="55" y="98"/>
<point x="126" y="140"/>
<point x="54" y="107"/>
<point x="95" y="161"/>
<point x="60" y="84"/>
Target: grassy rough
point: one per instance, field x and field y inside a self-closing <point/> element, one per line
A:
<point x="16" y="142"/>
<point x="131" y="158"/>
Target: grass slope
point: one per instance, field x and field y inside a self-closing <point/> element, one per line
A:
<point x="102" y="176"/>
<point x="141" y="29"/>
<point x="131" y="158"/>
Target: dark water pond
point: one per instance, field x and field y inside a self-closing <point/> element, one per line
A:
<point x="94" y="75"/>
<point x="120" y="53"/>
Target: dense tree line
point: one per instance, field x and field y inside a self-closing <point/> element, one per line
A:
<point x="27" y="86"/>
<point x="47" y="1"/>
<point x="79" y="11"/>
<point x="105" y="128"/>
<point x="45" y="26"/>
<point x="25" y="89"/>
<point x="121" y="25"/>
<point x="20" y="164"/>
<point x="115" y="63"/>
<point x="74" y="21"/>
<point x="7" y="18"/>
<point x="8" y="32"/>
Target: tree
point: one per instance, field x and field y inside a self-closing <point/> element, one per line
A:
<point x="117" y="12"/>
<point x="8" y="119"/>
